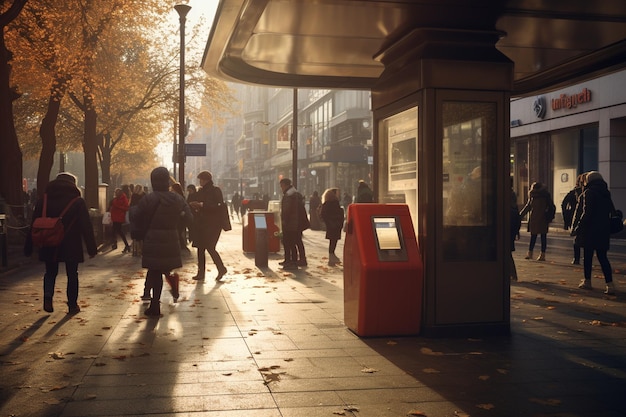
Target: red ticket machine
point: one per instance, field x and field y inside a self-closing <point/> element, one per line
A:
<point x="383" y="272"/>
<point x="249" y="231"/>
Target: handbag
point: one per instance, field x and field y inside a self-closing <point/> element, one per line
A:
<point x="225" y="218"/>
<point x="106" y="218"/>
<point x="50" y="231"/>
<point x="616" y="222"/>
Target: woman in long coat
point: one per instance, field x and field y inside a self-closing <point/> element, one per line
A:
<point x="592" y="228"/>
<point x="60" y="192"/>
<point x="333" y="216"/>
<point x="207" y="204"/>
<point x="538" y="203"/>
<point x="158" y="213"/>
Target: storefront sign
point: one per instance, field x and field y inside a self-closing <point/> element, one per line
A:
<point x="566" y="101"/>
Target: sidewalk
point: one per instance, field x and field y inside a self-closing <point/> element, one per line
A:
<point x="273" y="344"/>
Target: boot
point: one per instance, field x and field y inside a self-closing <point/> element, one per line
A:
<point x="610" y="288"/>
<point x="174" y="281"/>
<point x="154" y="310"/>
<point x="529" y="255"/>
<point x="585" y="284"/>
<point x="542" y="256"/>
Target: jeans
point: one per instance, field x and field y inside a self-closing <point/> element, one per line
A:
<point x="49" y="281"/>
<point x="604" y="263"/>
<point x="533" y="240"/>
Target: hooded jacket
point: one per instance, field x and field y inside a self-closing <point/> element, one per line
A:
<point x="161" y="210"/>
<point x="591" y="225"/>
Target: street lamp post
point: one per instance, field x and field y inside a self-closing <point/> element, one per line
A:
<point x="294" y="141"/>
<point x="182" y="10"/>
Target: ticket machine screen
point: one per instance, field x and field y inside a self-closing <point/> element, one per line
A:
<point x="259" y="221"/>
<point x="388" y="235"/>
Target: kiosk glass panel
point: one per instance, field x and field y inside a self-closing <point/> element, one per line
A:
<point x="469" y="183"/>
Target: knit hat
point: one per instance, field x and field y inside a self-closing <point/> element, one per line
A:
<point x="67" y="176"/>
<point x="205" y="175"/>
<point x="160" y="179"/>
<point x="593" y="176"/>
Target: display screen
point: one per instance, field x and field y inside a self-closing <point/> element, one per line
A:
<point x="387" y="233"/>
<point x="259" y="221"/>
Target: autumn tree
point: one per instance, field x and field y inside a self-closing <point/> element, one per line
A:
<point x="122" y="82"/>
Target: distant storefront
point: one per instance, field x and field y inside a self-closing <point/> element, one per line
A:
<point x="558" y="135"/>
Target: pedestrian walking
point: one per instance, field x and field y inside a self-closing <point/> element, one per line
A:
<point x="118" y="209"/>
<point x="207" y="227"/>
<point x="333" y="216"/>
<point x="592" y="230"/>
<point x="77" y="226"/>
<point x="541" y="212"/>
<point x="568" y="207"/>
<point x="157" y="215"/>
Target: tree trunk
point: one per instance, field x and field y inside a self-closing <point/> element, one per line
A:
<point x="10" y="153"/>
<point x="48" y="143"/>
<point x="90" y="146"/>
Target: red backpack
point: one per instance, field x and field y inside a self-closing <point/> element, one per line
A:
<point x="49" y="231"/>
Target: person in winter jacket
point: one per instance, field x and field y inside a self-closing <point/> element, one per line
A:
<point x="78" y="228"/>
<point x="292" y="211"/>
<point x="538" y="204"/>
<point x="118" y="209"/>
<point x="591" y="227"/>
<point x="568" y="206"/>
<point x="207" y="204"/>
<point x="158" y="214"/>
<point x="333" y="216"/>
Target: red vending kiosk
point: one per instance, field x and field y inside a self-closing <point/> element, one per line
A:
<point x="383" y="271"/>
<point x="249" y="231"/>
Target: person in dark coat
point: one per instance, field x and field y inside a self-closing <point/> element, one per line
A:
<point x="333" y="216"/>
<point x="290" y="212"/>
<point x="592" y="229"/>
<point x="314" y="206"/>
<point x="568" y="206"/>
<point x="364" y="193"/>
<point x="158" y="213"/>
<point x="207" y="204"/>
<point x="78" y="228"/>
<point x="537" y="205"/>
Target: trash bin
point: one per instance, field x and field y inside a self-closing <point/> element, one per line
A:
<point x="383" y="271"/>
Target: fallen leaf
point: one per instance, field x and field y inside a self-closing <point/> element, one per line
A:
<point x="430" y="371"/>
<point x="369" y="370"/>
<point x="415" y="413"/>
<point x="483" y="377"/>
<point x="428" y="351"/>
<point x="486" y="406"/>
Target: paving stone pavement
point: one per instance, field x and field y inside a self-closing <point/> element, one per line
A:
<point x="267" y="343"/>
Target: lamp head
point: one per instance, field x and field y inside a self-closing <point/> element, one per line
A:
<point x="182" y="9"/>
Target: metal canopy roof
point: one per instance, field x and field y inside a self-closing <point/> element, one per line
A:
<point x="334" y="43"/>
